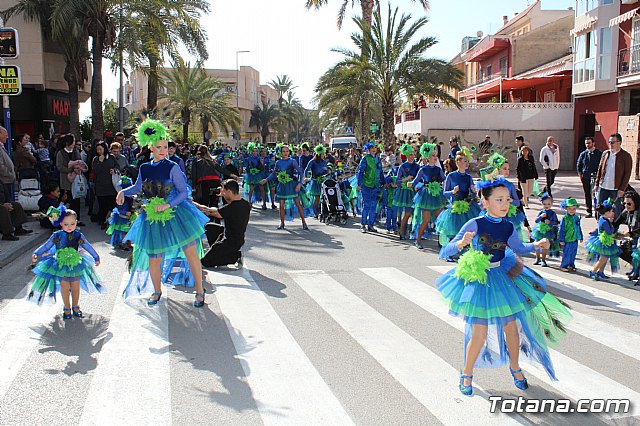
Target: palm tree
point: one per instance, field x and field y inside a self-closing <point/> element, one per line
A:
<point x="189" y="89"/>
<point x="282" y="84"/>
<point x="263" y="117"/>
<point x="290" y="114"/>
<point x="397" y="64"/>
<point x="217" y="111"/>
<point x="366" y="6"/>
<point x="72" y="41"/>
<point x="152" y="29"/>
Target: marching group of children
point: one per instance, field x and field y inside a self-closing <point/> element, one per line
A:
<point x="479" y="223"/>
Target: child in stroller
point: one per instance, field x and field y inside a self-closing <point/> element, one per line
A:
<point x="332" y="204"/>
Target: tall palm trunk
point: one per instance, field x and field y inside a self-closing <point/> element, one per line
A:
<point x="152" y="85"/>
<point x="74" y="104"/>
<point x="186" y="118"/>
<point x="388" y="121"/>
<point x="97" y="120"/>
<point x="367" y="10"/>
<point x="364" y="118"/>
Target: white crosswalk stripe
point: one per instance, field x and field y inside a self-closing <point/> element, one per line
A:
<point x="576" y="380"/>
<point x="429" y="378"/>
<point x="139" y="342"/>
<point x="273" y="361"/>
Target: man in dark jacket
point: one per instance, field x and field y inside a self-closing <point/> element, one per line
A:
<point x="587" y="166"/>
<point x="12" y="217"/>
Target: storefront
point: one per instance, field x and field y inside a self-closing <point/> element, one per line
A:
<point x="44" y="112"/>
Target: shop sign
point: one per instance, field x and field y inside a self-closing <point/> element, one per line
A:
<point x="10" y="81"/>
<point x="9" y="46"/>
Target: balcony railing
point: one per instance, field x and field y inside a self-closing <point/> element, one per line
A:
<point x="628" y="61"/>
<point x="408" y="116"/>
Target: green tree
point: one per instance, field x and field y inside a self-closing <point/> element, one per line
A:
<point x="366" y="7"/>
<point x="218" y="112"/>
<point x="263" y="118"/>
<point x="283" y="85"/>
<point x="397" y="64"/>
<point x="290" y="114"/>
<point x="111" y="123"/>
<point x="155" y="29"/>
<point x="72" y="42"/>
<point x="190" y="91"/>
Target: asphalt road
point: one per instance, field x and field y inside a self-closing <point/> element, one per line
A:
<point x="326" y="326"/>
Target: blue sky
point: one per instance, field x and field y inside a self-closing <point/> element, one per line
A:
<point x="285" y="38"/>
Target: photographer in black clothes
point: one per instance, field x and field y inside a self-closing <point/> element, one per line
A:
<point x="226" y="241"/>
<point x="630" y="216"/>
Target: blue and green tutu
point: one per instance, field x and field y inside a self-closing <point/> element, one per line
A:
<point x="635" y="258"/>
<point x="543" y="230"/>
<point x="49" y="274"/>
<point x="315" y="188"/>
<point x="162" y="239"/>
<point x="540" y="317"/>
<point x="403" y="198"/>
<point x="451" y="219"/>
<point x="604" y="244"/>
<point x="118" y="227"/>
<point x="423" y="200"/>
<point x="254" y="176"/>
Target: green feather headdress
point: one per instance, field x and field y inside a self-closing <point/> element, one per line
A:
<point x="427" y="149"/>
<point x="251" y="146"/>
<point x="150" y="132"/>
<point x="496" y="161"/>
<point x="406" y="149"/>
<point x="467" y="153"/>
<point x="320" y="150"/>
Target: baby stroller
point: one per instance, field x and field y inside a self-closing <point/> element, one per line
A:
<point x="29" y="193"/>
<point x="332" y="207"/>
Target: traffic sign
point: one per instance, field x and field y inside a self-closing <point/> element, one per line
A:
<point x="10" y="81"/>
<point x="9" y="46"/>
<point x="122" y="114"/>
<point x="374" y="127"/>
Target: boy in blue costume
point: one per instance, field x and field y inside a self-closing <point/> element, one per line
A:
<point x="570" y="234"/>
<point x="391" y="224"/>
<point x="370" y="177"/>
<point x="507" y="309"/>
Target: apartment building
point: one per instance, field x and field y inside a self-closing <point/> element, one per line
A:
<point x="43" y="105"/>
<point x="244" y="86"/>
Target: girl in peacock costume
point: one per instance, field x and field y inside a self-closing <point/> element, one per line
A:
<point x="287" y="172"/>
<point x="318" y="170"/>
<point x="516" y="212"/>
<point x="270" y="164"/>
<point x="459" y="190"/>
<point x="546" y="228"/>
<point x="601" y="245"/>
<point x="403" y="193"/>
<point x="169" y="227"/>
<point x="254" y="173"/>
<point x="507" y="309"/>
<point x="121" y="219"/>
<point x="429" y="199"/>
<point x="65" y="269"/>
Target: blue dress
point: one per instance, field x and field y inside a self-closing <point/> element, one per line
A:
<point x="318" y="172"/>
<point x="403" y="195"/>
<point x="549" y="231"/>
<point x="601" y="242"/>
<point x="168" y="239"/>
<point x="254" y="170"/>
<point x="424" y="199"/>
<point x="119" y="222"/>
<point x="462" y="208"/>
<point x="509" y="292"/>
<point x="65" y="263"/>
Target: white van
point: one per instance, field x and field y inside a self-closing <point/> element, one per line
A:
<point x="343" y="142"/>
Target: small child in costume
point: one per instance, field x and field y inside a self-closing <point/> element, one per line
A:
<point x="63" y="267"/>
<point x="601" y="245"/>
<point x="121" y="219"/>
<point x="547" y="225"/>
<point x="391" y="224"/>
<point x="570" y="234"/>
<point x="316" y="171"/>
<point x="404" y="194"/>
<point x="370" y="177"/>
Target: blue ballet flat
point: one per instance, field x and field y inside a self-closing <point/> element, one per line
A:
<point x="305" y="227"/>
<point x="77" y="312"/>
<point x="520" y="384"/>
<point x="418" y="245"/>
<point x="151" y="301"/>
<point x="197" y="303"/>
<point x="66" y="313"/>
<point x="602" y="275"/>
<point x="594" y="276"/>
<point x="465" y="390"/>
<point x="280" y="227"/>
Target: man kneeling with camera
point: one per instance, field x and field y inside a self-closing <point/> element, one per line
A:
<point x="226" y="241"/>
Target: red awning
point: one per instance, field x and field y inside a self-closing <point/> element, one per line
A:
<point x="486" y="49"/>
<point x="624" y="17"/>
<point x="514" y="83"/>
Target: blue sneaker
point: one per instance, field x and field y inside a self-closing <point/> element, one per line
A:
<point x="602" y="275"/>
<point x="420" y="246"/>
<point x="594" y="276"/>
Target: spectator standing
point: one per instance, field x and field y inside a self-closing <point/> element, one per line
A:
<point x="422" y="103"/>
<point x="64" y="156"/>
<point x="587" y="167"/>
<point x="455" y="148"/>
<point x="520" y="142"/>
<point x="550" y="159"/>
<point x="614" y="172"/>
<point x="12" y="217"/>
<point x="485" y="145"/>
<point x="24" y="160"/>
<point x="116" y="152"/>
<point x="176" y="158"/>
<point x="527" y="173"/>
<point x="7" y="169"/>
<point x="104" y="166"/>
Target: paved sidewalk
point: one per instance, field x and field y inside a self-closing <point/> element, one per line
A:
<point x="11" y="250"/>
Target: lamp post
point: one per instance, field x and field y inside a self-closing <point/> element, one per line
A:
<point x="238" y="87"/>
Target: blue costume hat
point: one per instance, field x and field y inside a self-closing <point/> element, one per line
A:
<point x="57" y="214"/>
<point x="545" y="196"/>
<point x="368" y="146"/>
<point x="388" y="180"/>
<point x="608" y="205"/>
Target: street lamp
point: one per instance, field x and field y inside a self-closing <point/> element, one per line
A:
<point x="238" y="85"/>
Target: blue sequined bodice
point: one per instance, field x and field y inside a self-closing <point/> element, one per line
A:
<point x="61" y="239"/>
<point x="431" y="173"/>
<point x="156" y="179"/>
<point x="493" y="234"/>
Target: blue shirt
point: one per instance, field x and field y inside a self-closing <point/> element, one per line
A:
<point x="588" y="162"/>
<point x="463" y="181"/>
<point x="454" y="151"/>
<point x="61" y="239"/>
<point x="161" y="179"/>
<point x="428" y="174"/>
<point x="550" y="214"/>
<point x="289" y="165"/>
<point x="407" y="169"/>
<point x="316" y="169"/>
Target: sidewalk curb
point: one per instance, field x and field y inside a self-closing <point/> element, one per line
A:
<point x="39" y="236"/>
